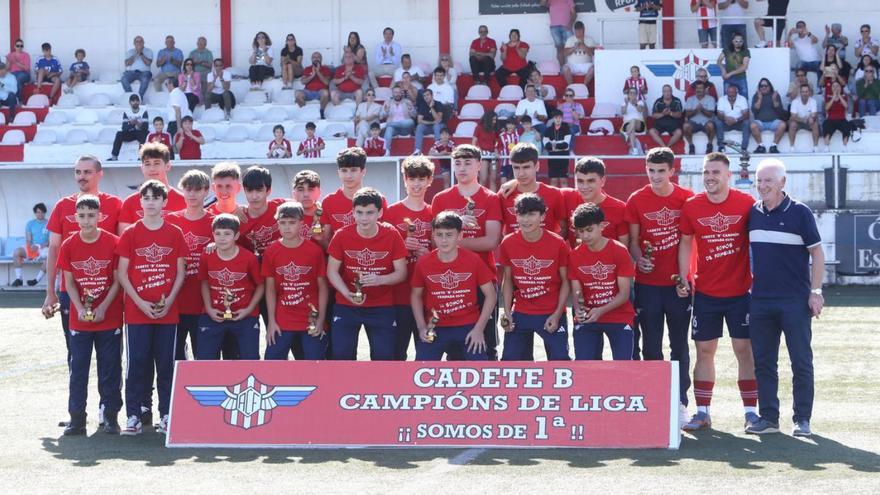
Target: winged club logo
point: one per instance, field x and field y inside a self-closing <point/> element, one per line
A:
<point x="719" y="222"/>
<point x="365" y="257"/>
<point x="598" y="271"/>
<point x="531" y="265"/>
<point x="422" y="228"/>
<point x="292" y="271"/>
<point x="194" y="241"/>
<point x="449" y="279"/>
<point x="225" y="277"/>
<point x="91" y="266"/>
<point x="345" y="219"/>
<point x="664" y="217"/>
<point x="262" y="235"/>
<point x="154" y="252"/>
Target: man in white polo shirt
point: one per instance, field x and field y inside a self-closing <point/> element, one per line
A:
<point x="804" y="115"/>
<point x="733" y="112"/>
<point x="579" y="51"/>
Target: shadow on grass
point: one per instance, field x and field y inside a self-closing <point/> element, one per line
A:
<point x="737" y="452"/>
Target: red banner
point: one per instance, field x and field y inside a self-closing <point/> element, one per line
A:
<point x="597" y="404"/>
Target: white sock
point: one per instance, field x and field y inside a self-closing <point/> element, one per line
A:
<point x="703" y="409"/>
<point x="17" y="273"/>
<point x="40" y="275"/>
<point x="750" y="409"/>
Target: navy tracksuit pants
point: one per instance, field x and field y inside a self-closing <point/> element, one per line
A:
<point x="146" y="346"/>
<point x="108" y="348"/>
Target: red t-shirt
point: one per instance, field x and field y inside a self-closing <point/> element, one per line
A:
<point x="722" y="235"/>
<point x="552" y="200"/>
<point x="536" y="279"/>
<point x="485" y="139"/>
<point x="483" y="46"/>
<point x="92" y="266"/>
<point x="421" y="222"/>
<point x="295" y="272"/>
<point x="658" y="218"/>
<point x="487" y="208"/>
<point x="189" y="148"/>
<point x="256" y="234"/>
<point x="132" y="211"/>
<point x="163" y="138"/>
<point x="597" y="273"/>
<point x="316" y="84"/>
<point x="373" y="255"/>
<point x="513" y="61"/>
<point x="197" y="234"/>
<point x="240" y="275"/>
<point x="152" y="267"/>
<point x="451" y="288"/>
<point x="62" y="220"/>
<point x="374" y="146"/>
<point x="612" y="207"/>
<point x="338" y="210"/>
<point x="837" y="111"/>
<point x="349" y="86"/>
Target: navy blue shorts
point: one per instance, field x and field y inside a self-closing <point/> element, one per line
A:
<point x="710" y="313"/>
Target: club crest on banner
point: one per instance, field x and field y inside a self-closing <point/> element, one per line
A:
<point x="683" y="71"/>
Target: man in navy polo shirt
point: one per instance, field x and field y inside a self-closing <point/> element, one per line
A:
<point x="786" y="294"/>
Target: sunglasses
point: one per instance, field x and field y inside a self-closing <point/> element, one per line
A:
<point x="444" y="60"/>
<point x="763" y="86"/>
<point x="569" y="94"/>
<point x="18" y="45"/>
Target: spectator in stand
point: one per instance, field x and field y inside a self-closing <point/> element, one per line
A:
<point x="866" y="45"/>
<point x="667" y="113"/>
<point x="836" y="103"/>
<point x="833" y="68"/>
<point x="572" y="112"/>
<point x="137" y="67"/>
<point x="484" y="138"/>
<point x="867" y="92"/>
<point x="8" y="90"/>
<point x="348" y="79"/>
<point x="406" y="65"/>
<point x="775" y="8"/>
<point x="48" y="68"/>
<point x="387" y="57"/>
<point x="536" y="79"/>
<point x="649" y="11"/>
<point x="794" y="89"/>
<point x="733" y="115"/>
<point x="368" y="112"/>
<point x="444" y="92"/>
<point x="134" y="126"/>
<point x="79" y="70"/>
<point x="562" y="14"/>
<point x="513" y="60"/>
<point x="410" y="91"/>
<point x="635" y="114"/>
<point x="442" y="149"/>
<point x="579" y="50"/>
<point x="533" y="107"/>
<point x="399" y="112"/>
<point x="481" y="56"/>
<point x="169" y="61"/>
<point x="445" y="62"/>
<point x="316" y="79"/>
<point x="557" y="142"/>
<point x="354" y="46"/>
<point x="735" y="58"/>
<point x="36" y="246"/>
<point x="699" y="111"/>
<point x="834" y="37"/>
<point x="312" y="145"/>
<point x="529" y="134"/>
<point x="291" y="62"/>
<point x="374" y="145"/>
<point x="279" y="146"/>
<point x="203" y="59"/>
<point x="429" y="118"/>
<point x="735" y="11"/>
<point x="159" y="135"/>
<point x="636" y="82"/>
<point x="768" y="114"/>
<point x="188" y="141"/>
<point x="804" y="43"/>
<point x="18" y="63"/>
<point x="702" y="75"/>
<point x="865" y="62"/>
<point x="507" y="139"/>
<point x="190" y="83"/>
<point x="178" y="106"/>
<point x="262" y="56"/>
<point x="707" y="31"/>
<point x="804" y="115"/>
<point x="220" y="80"/>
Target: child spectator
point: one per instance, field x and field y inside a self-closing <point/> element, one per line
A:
<point x="79" y="70"/>
<point x="375" y="144"/>
<point x="188" y="141"/>
<point x="48" y="68"/>
<point x="484" y="139"/>
<point x="36" y="246"/>
<point x="507" y="139"/>
<point x="707" y="31"/>
<point x="442" y="148"/>
<point x="530" y="135"/>
<point x="637" y="82"/>
<point x="557" y="142"/>
<point x="279" y="147"/>
<point x="312" y="145"/>
<point x="159" y="135"/>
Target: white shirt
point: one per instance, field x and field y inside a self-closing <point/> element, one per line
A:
<point x="530" y="108"/>
<point x="580" y="56"/>
<point x="733" y="10"/>
<point x="177" y="98"/>
<point x="216" y="83"/>
<point x="634" y="112"/>
<point x="804" y="110"/>
<point x="740" y="106"/>
<point x="444" y="93"/>
<point x="806" y="50"/>
<point x="413" y="70"/>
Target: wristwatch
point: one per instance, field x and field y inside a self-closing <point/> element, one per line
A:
<point x="818" y="291"/>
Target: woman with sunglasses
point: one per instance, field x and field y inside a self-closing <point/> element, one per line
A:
<point x="190" y="83"/>
<point x="291" y="62"/>
<point x="261" y="60"/>
<point x="572" y="112"/>
<point x="368" y="111"/>
<point x="734" y="62"/>
<point x="19" y="63"/>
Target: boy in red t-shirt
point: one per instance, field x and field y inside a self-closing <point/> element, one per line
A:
<point x="231" y="291"/>
<point x="195" y="223"/>
<point x="441" y="152"/>
<point x="445" y="285"/>
<point x="88" y="261"/>
<point x="226" y="184"/>
<point x="155" y="165"/>
<point x="412" y="217"/>
<point x="152" y="266"/>
<point x="375" y="144"/>
<point x="365" y="260"/>
<point x="296" y="284"/>
<point x="600" y="271"/>
<point x="524" y="171"/>
<point x="259" y="228"/>
<point x="188" y="141"/>
<point x="306" y="190"/>
<point x="351" y="166"/>
<point x="159" y="135"/>
<point x="534" y="289"/>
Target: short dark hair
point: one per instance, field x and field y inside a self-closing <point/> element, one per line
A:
<point x="278" y="127"/>
<point x="155" y="150"/>
<point x="524" y="152"/>
<point x="89" y="201"/>
<point x="466" y="151"/>
<point x="417" y="166"/>
<point x="290" y="209"/>
<point x="579" y="25"/>
<point x="40" y="207"/>
<point x="186" y="118"/>
<point x="155" y="187"/>
<point x="387" y="29"/>
<point x="46" y="46"/>
<point x="525" y="118"/>
<point x="367" y="196"/>
<point x="226" y="169"/>
<point x="226" y="221"/>
<point x="717" y="156"/>
<point x="406" y="55"/>
<point x="134" y="97"/>
<point x="587" y="214"/>
<point x="194" y="179"/>
<point x="439" y="70"/>
<point x="590" y="165"/>
<point x="256" y="177"/>
<point x="442" y="130"/>
<point x="91" y="158"/>
<point x="528" y="203"/>
<point x="555" y="112"/>
<point x="78" y="51"/>
<point x="311" y="126"/>
<point x="353" y="156"/>
<point x="307" y="177"/>
<point x="661" y="154"/>
<point x="375" y="125"/>
<point x="448" y="220"/>
<point x="699" y="84"/>
<point x="158" y="119"/>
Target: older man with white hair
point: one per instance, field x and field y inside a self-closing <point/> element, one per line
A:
<point x="786" y="294"/>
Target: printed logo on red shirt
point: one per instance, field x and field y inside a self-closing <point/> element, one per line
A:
<point x="225" y="277"/>
<point x="194" y="241"/>
<point x="292" y="271"/>
<point x="598" y="271"/>
<point x="345" y="219"/>
<point x="154" y="253"/>
<point x="422" y="228"/>
<point x="531" y="265"/>
<point x="365" y="257"/>
<point x="72" y="218"/>
<point x="464" y="211"/>
<point x="664" y="217"/>
<point x="91" y="266"/>
<point x="449" y="279"/>
<point x="719" y="222"/>
<point x="262" y="235"/>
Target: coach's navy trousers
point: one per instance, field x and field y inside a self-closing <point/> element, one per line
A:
<point x="519" y="343"/>
<point x="653" y="303"/>
<point x="149" y="345"/>
<point x="379" y="322"/>
<point x="108" y="347"/>
<point x="768" y="319"/>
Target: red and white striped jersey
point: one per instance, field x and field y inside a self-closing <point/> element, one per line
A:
<point x="505" y="142"/>
<point x="704" y="11"/>
<point x="374" y="146"/>
<point x="309" y="148"/>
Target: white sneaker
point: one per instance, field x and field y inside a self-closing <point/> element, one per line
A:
<point x="761" y="44"/>
<point x="683" y="417"/>
<point x="163" y="425"/>
<point x="132" y="427"/>
<point x="101" y="420"/>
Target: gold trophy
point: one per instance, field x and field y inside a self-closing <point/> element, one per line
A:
<point x="505" y="322"/>
<point x="431" y="334"/>
<point x="410" y="227"/>
<point x="358" y="296"/>
<point x="470" y="207"/>
<point x="159" y="306"/>
<point x="680" y="283"/>
<point x="227" y="304"/>
<point x="648" y="250"/>
<point x="88" y="299"/>
<point x="313" y="319"/>
<point x="317" y="228"/>
<point x="581" y="309"/>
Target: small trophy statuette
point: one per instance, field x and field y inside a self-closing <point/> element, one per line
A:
<point x="159" y="306"/>
<point x="410" y="227"/>
<point x="227" y="304"/>
<point x="470" y="207"/>
<point x="431" y="334"/>
<point x="358" y="296"/>
<point x="680" y="283"/>
<point x="505" y="322"/>
<point x="88" y="299"/>
<point x="648" y="250"/>
<point x="581" y="307"/>
<point x="317" y="228"/>
<point x="51" y="310"/>
<point x="313" y="319"/>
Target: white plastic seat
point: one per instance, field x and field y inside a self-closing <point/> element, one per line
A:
<point x="106" y="136"/>
<point x="254" y="98"/>
<point x="297" y="132"/>
<point x="243" y="115"/>
<point x="100" y="100"/>
<point x="308" y="113"/>
<point x="86" y="117"/>
<point x="212" y="115"/>
<point x="548" y="67"/>
<point x="551" y="91"/>
<point x="13" y="137"/>
<point x="76" y="136"/>
<point x="601" y="127"/>
<point x="580" y="90"/>
<point x="68" y="101"/>
<point x="275" y="114"/>
<point x="208" y="134"/>
<point x="108" y="78"/>
<point x="2" y="118"/>
<point x="284" y="97"/>
<point x="471" y="111"/>
<point x="331" y="130"/>
<point x="511" y="92"/>
<point x="265" y="133"/>
<point x="158" y="99"/>
<point x="52" y="118"/>
<point x="465" y="129"/>
<point x="505" y="110"/>
<point x="338" y="112"/>
<point x="383" y="93"/>
<point x="604" y="109"/>
<point x="38" y="100"/>
<point x="24" y="118"/>
<point x="45" y="137"/>
<point x="479" y="92"/>
<point x="236" y="134"/>
<point x="114" y="117"/>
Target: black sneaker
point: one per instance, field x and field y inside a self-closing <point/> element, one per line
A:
<point x="692" y="150"/>
<point x="708" y="148"/>
<point x="760" y="150"/>
<point x="146" y="416"/>
<point x="774" y="150"/>
<point x="77" y="425"/>
<point x="17" y="283"/>
<point x="111" y="424"/>
<point x="32" y="282"/>
<point x="112" y="159"/>
<point x="721" y="149"/>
